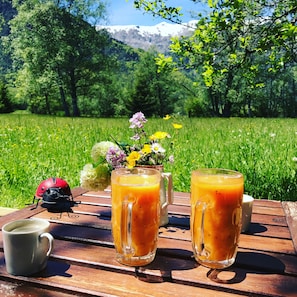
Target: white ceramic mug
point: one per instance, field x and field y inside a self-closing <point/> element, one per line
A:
<point x="166" y="197"/>
<point x="166" y="191"/>
<point x="247" y="208"/>
<point x="27" y="246"/>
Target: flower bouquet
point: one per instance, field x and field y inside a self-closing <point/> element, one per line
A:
<point x="143" y="151"/>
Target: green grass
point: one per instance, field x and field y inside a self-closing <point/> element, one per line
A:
<point x="34" y="148"/>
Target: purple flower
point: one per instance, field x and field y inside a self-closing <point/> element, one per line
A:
<point x="137" y="120"/>
<point x="135" y="137"/>
<point x="115" y="157"/>
<point x="171" y="159"/>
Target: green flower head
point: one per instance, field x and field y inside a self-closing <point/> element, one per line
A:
<point x="99" y="151"/>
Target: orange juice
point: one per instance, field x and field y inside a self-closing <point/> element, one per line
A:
<point x="135" y="214"/>
<point x="216" y="199"/>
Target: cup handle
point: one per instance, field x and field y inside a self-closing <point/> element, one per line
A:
<point x="126" y="232"/>
<point x="169" y="196"/>
<point x="198" y="220"/>
<point x="50" y="240"/>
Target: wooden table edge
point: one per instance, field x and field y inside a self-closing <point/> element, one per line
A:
<point x="290" y="209"/>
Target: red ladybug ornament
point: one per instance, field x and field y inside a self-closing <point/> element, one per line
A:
<point x="55" y="195"/>
<point x="52" y="182"/>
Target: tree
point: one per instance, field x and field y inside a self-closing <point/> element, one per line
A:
<point x="5" y="103"/>
<point x="152" y="90"/>
<point x="227" y="43"/>
<point x="61" y="52"/>
<point x="6" y="13"/>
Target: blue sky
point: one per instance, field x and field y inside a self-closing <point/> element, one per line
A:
<point x="122" y="12"/>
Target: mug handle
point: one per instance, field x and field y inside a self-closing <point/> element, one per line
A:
<point x="126" y="232"/>
<point x="169" y="196"/>
<point x="50" y="240"/>
<point x="198" y="219"/>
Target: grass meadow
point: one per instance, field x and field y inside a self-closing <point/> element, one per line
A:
<point x="34" y="148"/>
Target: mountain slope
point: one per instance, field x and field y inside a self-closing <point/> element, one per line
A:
<point x="144" y="37"/>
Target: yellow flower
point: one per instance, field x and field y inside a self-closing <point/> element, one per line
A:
<point x="132" y="158"/>
<point x="146" y="149"/>
<point x="177" y="126"/>
<point x="167" y="117"/>
<point x="159" y="135"/>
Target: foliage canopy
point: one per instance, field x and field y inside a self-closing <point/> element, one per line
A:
<point x="240" y="60"/>
<point x="237" y="39"/>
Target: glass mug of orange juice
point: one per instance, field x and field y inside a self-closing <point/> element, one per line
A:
<point x="216" y="201"/>
<point x="135" y="195"/>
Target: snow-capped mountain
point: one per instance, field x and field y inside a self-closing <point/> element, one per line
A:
<point x="144" y="37"/>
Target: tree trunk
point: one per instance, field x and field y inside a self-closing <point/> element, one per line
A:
<point x="64" y="103"/>
<point x="47" y="104"/>
<point x="214" y="102"/>
<point x="75" y="109"/>
<point x="226" y="112"/>
<point x="62" y="94"/>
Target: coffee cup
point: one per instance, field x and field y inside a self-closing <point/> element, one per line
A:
<point x="27" y="246"/>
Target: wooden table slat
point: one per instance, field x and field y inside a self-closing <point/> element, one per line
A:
<point x="20" y="289"/>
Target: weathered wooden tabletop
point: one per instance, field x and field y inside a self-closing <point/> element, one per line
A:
<point x="83" y="261"/>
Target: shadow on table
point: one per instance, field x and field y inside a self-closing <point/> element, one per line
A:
<point x="105" y="215"/>
<point x="55" y="268"/>
<point x="256" y="228"/>
<point x="247" y="262"/>
<point x="179" y="220"/>
<point x="165" y="265"/>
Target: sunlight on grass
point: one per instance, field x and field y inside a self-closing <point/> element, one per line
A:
<point x="34" y="148"/>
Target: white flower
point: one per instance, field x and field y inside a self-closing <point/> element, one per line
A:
<point x="94" y="178"/>
<point x="294" y="159"/>
<point x="157" y="148"/>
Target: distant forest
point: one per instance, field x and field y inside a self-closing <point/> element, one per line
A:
<point x="241" y="61"/>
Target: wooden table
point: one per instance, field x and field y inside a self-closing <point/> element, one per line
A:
<point x="83" y="261"/>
